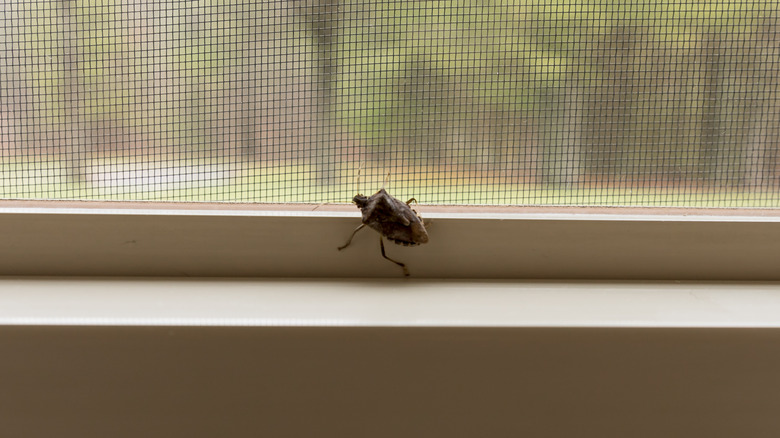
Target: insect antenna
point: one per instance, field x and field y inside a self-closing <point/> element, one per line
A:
<point x="357" y="178"/>
<point x="387" y="180"/>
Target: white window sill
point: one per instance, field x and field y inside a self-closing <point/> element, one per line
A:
<point x="466" y="347"/>
<point x="244" y="240"/>
<point x="385" y="303"/>
<point x="388" y="357"/>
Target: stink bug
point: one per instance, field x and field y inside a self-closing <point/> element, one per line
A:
<point x="391" y="218"/>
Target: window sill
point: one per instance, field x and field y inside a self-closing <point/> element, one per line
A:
<point x="249" y="240"/>
<point x="385" y="357"/>
<point x="385" y="303"/>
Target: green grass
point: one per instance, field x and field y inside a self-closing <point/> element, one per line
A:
<point x="217" y="182"/>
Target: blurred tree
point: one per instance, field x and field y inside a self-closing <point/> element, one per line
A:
<point x="763" y="141"/>
<point x="322" y="19"/>
<point x="425" y="125"/>
<point x="248" y="60"/>
<point x="712" y="59"/>
<point x="561" y="134"/>
<point x="198" y="52"/>
<point x="78" y="138"/>
<point x="11" y="87"/>
<point x="609" y="103"/>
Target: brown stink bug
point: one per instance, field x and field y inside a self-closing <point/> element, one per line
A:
<point x="391" y="218"/>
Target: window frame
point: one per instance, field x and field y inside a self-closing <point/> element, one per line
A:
<point x="582" y="372"/>
<point x="300" y="240"/>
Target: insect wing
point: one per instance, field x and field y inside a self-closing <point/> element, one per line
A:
<point x="394" y="220"/>
<point x="383" y="208"/>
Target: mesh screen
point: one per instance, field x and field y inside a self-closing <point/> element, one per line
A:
<point x="526" y="102"/>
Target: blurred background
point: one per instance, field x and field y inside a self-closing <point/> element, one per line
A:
<point x="521" y="102"/>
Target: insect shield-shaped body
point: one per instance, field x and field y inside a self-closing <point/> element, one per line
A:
<point x="391" y="218"/>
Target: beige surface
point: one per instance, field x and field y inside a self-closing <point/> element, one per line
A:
<point x="183" y="357"/>
<point x="388" y="382"/>
<point x="190" y="358"/>
<point x="478" y="244"/>
<point x="385" y="302"/>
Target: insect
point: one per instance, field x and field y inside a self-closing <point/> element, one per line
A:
<point x="391" y="218"/>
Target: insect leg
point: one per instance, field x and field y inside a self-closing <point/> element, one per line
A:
<point x="382" y="246"/>
<point x="357" y="178"/>
<point x="350" y="237"/>
<point x="410" y="201"/>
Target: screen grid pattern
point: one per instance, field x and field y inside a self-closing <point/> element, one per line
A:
<point x="496" y="102"/>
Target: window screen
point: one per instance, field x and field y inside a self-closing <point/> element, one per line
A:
<point x="608" y="102"/>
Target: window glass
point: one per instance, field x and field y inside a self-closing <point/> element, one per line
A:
<point x="495" y="102"/>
